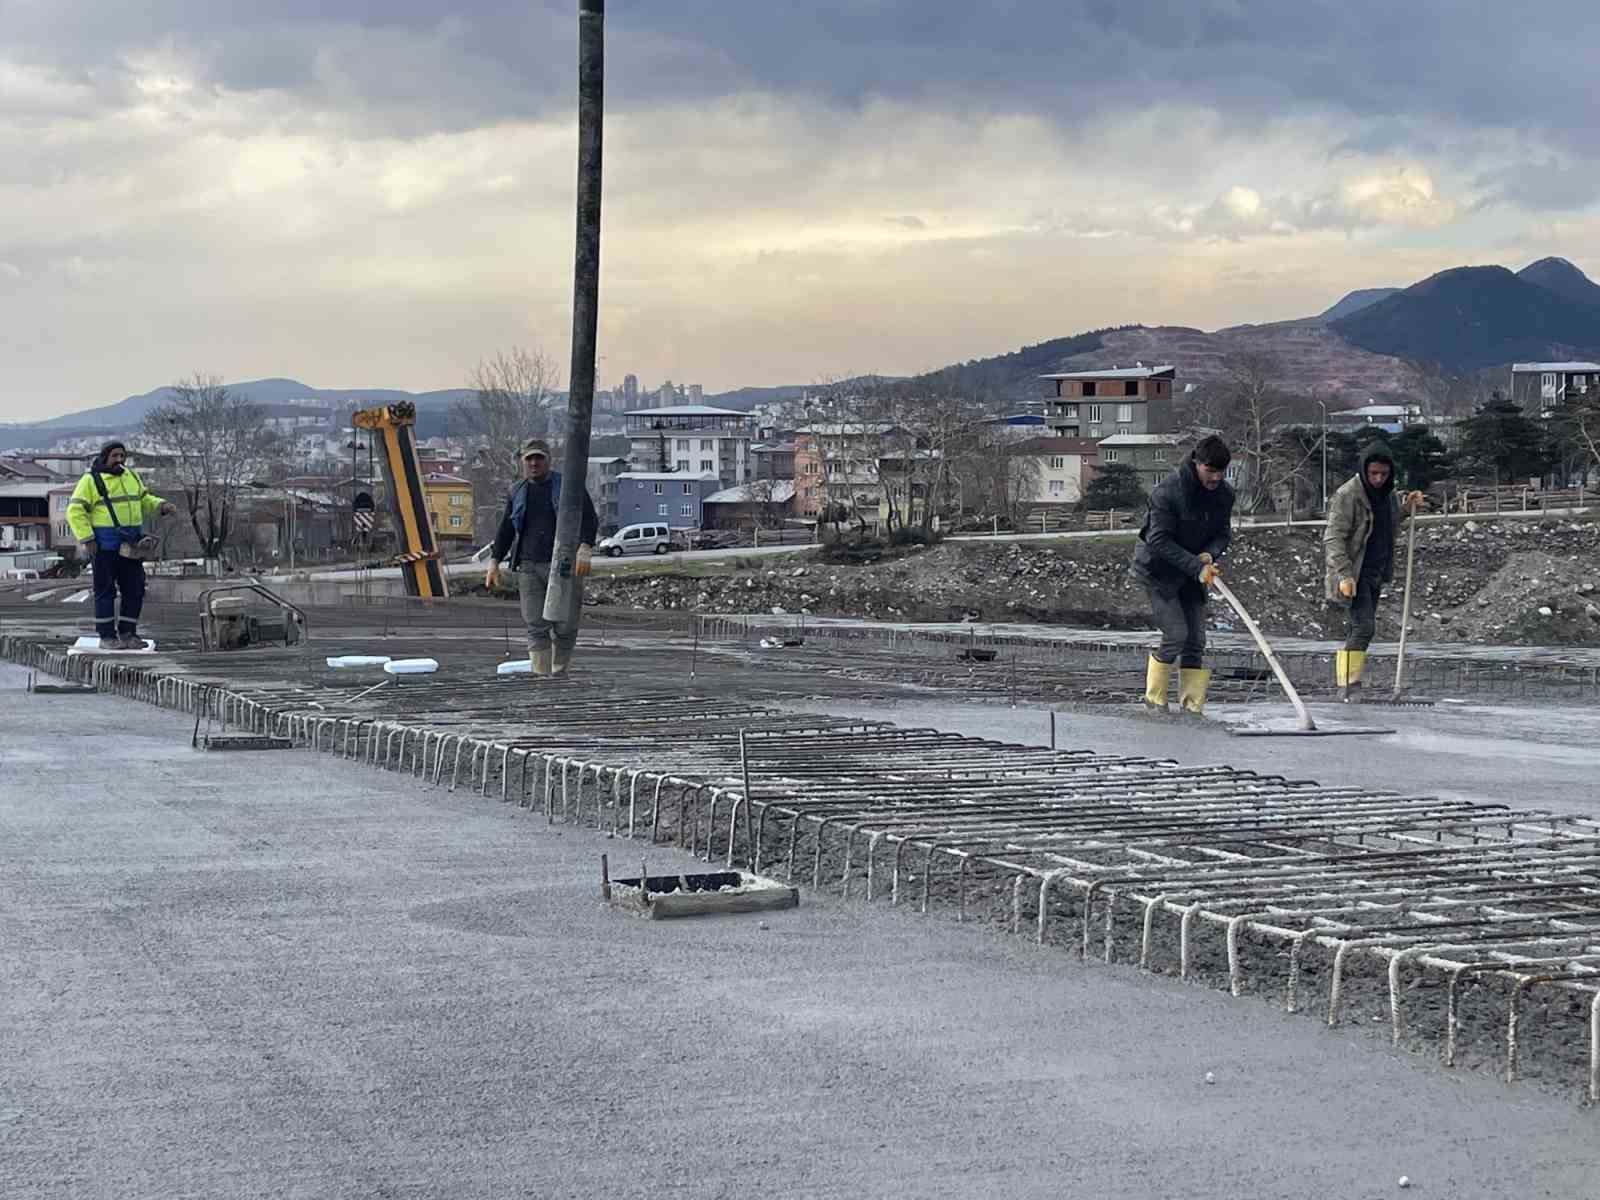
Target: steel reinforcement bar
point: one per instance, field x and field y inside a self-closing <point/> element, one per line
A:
<point x="1208" y="872"/>
<point x="1033" y="655"/>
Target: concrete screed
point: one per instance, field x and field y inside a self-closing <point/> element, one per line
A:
<point x="279" y="975"/>
<point x="1525" y="756"/>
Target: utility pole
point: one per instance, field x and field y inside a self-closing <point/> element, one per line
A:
<point x="561" y="597"/>
<point x="1323" y="404"/>
<point x="288" y="525"/>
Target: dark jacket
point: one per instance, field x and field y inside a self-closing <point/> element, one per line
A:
<point x="1352" y="519"/>
<point x="528" y="526"/>
<point x="1184" y="521"/>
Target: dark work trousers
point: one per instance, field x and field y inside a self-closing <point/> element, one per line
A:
<point x="1182" y="621"/>
<point x="113" y="574"/>
<point x="1364" y="613"/>
<point x="532" y="581"/>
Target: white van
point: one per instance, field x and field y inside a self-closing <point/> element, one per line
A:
<point x="638" y="539"/>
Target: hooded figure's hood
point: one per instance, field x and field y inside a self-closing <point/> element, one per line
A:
<point x="1376" y="452"/>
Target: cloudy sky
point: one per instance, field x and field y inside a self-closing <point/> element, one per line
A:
<point x="379" y="192"/>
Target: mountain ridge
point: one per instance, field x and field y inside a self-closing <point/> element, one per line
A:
<point x="1461" y="319"/>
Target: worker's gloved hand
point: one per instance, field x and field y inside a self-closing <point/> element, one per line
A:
<point x="491" y="577"/>
<point x="1210" y="573"/>
<point x="585" y="560"/>
<point x="1347" y="588"/>
<point x="167" y="508"/>
<point x="1414" y="502"/>
<point x="1205" y="557"/>
<point x="88" y="548"/>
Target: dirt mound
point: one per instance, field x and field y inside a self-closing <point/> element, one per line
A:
<point x="1481" y="581"/>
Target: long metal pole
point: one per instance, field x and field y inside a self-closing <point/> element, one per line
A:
<point x="561" y="596"/>
<point x="1405" y="608"/>
<point x="1323" y="405"/>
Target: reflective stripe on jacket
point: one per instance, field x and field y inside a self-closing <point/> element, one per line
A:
<point x="88" y="516"/>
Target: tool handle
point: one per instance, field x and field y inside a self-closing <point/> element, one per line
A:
<point x="1303" y="713"/>
<point x="1405" y="608"/>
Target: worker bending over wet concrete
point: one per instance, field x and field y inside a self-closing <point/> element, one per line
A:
<point x="1364" y="521"/>
<point x="1184" y="534"/>
<point x="527" y="537"/>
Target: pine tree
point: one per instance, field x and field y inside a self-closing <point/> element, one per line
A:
<point x="1116" y="485"/>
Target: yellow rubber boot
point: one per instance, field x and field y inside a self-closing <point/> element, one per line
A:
<point x="1157" y="675"/>
<point x="1192" y="682"/>
<point x="539" y="661"/>
<point x="1347" y="668"/>
<point x="558" y="664"/>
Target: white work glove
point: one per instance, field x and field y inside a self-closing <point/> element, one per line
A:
<point x="167" y="508"/>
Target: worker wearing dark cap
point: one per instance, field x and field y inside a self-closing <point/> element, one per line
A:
<point x="527" y="538"/>
<point x="107" y="513"/>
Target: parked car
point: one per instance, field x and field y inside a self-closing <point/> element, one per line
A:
<point x="637" y="539"/>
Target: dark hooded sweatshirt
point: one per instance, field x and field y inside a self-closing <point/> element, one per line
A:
<point x="1379" y="561"/>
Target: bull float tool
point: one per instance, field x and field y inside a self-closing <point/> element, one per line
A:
<point x="1305" y="726"/>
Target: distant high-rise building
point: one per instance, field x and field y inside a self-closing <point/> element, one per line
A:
<point x="697" y="394"/>
<point x="667" y="394"/>
<point x="630" y="389"/>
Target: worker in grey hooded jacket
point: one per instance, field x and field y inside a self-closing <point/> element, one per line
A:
<point x="1365" y="517"/>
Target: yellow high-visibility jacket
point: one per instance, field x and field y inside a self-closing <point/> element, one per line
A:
<point x="89" y="517"/>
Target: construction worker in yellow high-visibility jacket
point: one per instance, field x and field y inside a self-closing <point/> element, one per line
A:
<point x="107" y="513"/>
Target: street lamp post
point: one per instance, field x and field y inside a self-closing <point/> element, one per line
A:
<point x="1323" y="405"/>
<point x="288" y="525"/>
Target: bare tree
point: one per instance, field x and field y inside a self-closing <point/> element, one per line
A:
<point x="219" y="440"/>
<point x="515" y="392"/>
<point x="1432" y="387"/>
<point x="947" y="435"/>
<point x="1579" y="429"/>
<point x="769" y="502"/>
<point x="1248" y="407"/>
<point x="846" y="423"/>
<point x="1019" y="474"/>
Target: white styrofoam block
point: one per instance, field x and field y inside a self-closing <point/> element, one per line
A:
<point x="91" y="645"/>
<point x="344" y="662"/>
<point x="410" y="666"/>
<point x="520" y="666"/>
